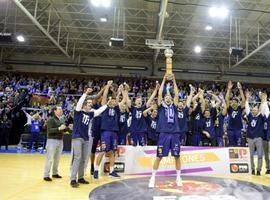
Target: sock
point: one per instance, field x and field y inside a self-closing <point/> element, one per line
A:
<point x="96" y="167"/>
<point x="154" y="173"/>
<point x="111" y="169"/>
<point x="178" y="172"/>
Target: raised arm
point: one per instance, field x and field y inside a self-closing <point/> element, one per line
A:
<point x="82" y="99"/>
<point x="146" y="111"/>
<point x="160" y="91"/>
<point x="202" y="100"/>
<point x="189" y="98"/>
<point x="105" y="93"/>
<point x="148" y="103"/>
<point x="176" y="92"/>
<point x="224" y="111"/>
<point x="247" y="107"/>
<point x="264" y="108"/>
<point x="119" y="92"/>
<point x="99" y="94"/>
<point x="243" y="99"/>
<point x="125" y="95"/>
<point x="229" y="89"/>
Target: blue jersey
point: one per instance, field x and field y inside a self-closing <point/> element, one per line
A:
<point x="96" y="123"/>
<point x="151" y="127"/>
<point x="196" y="118"/>
<point x="209" y="126"/>
<point x="81" y="124"/>
<point x="35" y="126"/>
<point x="167" y="120"/>
<point x="110" y="119"/>
<point x="255" y="126"/>
<point x="219" y="126"/>
<point x="267" y="128"/>
<point x="235" y="119"/>
<point x="123" y="126"/>
<point x="183" y="120"/>
<point x="138" y="124"/>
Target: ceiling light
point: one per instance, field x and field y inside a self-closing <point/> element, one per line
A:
<point x="103" y="19"/>
<point x="98" y="3"/>
<point x="20" y="38"/>
<point x="197" y="49"/>
<point x="95" y="3"/>
<point x="208" y="28"/>
<point x="219" y="12"/>
<point x="106" y="3"/>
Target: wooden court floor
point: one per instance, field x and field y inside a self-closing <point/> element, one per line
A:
<point x="21" y="177"/>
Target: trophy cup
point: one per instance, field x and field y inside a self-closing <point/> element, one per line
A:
<point x="168" y="54"/>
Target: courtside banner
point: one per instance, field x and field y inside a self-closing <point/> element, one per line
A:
<point x="194" y="160"/>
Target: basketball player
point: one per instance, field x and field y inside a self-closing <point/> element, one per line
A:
<point x="255" y="132"/>
<point x="168" y="128"/>
<point x="151" y="116"/>
<point x="235" y="115"/>
<point x="183" y="114"/>
<point x="80" y="137"/>
<point x="196" y="118"/>
<point x="109" y="129"/>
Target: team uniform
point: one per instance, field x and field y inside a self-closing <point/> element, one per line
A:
<point x="219" y="129"/>
<point x="255" y="134"/>
<point x="235" y="126"/>
<point x="123" y="128"/>
<point x="209" y="126"/>
<point x="168" y="129"/>
<point x="196" y="126"/>
<point x="266" y="139"/>
<point x="80" y="142"/>
<point x="96" y="130"/>
<point x="183" y="123"/>
<point x="109" y="129"/>
<point x="152" y="134"/>
<point x="138" y="126"/>
<point x="35" y="130"/>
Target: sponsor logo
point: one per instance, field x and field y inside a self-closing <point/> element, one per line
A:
<point x="119" y="167"/>
<point x="196" y="197"/>
<point x="239" y="168"/>
<point x="189" y="187"/>
<point x="238" y="153"/>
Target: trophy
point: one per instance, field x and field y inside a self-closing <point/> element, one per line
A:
<point x="168" y="54"/>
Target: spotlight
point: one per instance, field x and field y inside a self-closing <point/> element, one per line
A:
<point x="98" y="3"/>
<point x="95" y="3"/>
<point x="106" y="3"/>
<point x="208" y="28"/>
<point x="219" y="12"/>
<point x="20" y="38"/>
<point x="103" y="19"/>
<point x="197" y="49"/>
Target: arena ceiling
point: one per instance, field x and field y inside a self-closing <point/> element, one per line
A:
<point x="72" y="30"/>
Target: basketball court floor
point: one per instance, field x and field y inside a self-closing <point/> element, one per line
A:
<point x="22" y="178"/>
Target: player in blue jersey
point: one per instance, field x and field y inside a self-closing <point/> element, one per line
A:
<point x="109" y="130"/>
<point x="235" y="115"/>
<point x="208" y="131"/>
<point x="168" y="128"/>
<point x="138" y="127"/>
<point x="183" y="115"/>
<point x="255" y="131"/>
<point x="151" y="116"/>
<point x="80" y="137"/>
<point x="123" y="117"/>
<point x="196" y="118"/>
<point x="221" y="112"/>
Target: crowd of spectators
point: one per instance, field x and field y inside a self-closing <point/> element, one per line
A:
<point x="17" y="90"/>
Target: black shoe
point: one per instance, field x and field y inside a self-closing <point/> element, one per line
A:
<point x="74" y="184"/>
<point x="114" y="174"/>
<point x="47" y="179"/>
<point x="56" y="176"/>
<point x="92" y="170"/>
<point x="83" y="181"/>
<point x="95" y="175"/>
<point x="253" y="172"/>
<point x="267" y="171"/>
<point x="258" y="173"/>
